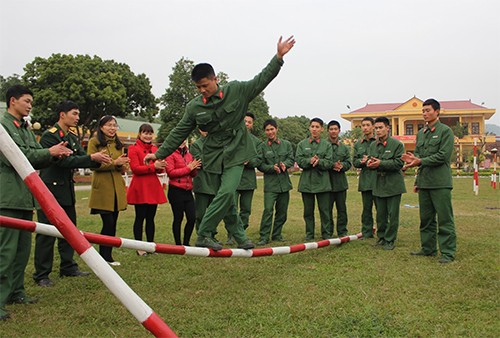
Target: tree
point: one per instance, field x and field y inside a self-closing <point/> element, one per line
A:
<point x="6" y="83"/>
<point x="99" y="87"/>
<point x="293" y="129"/>
<point x="459" y="130"/>
<point x="352" y="135"/>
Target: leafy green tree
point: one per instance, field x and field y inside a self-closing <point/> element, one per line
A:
<point x="459" y="130"/>
<point x="100" y="87"/>
<point x="6" y="83"/>
<point x="352" y="135"/>
<point x="293" y="128"/>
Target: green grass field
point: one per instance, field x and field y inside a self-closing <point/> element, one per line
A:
<point x="354" y="290"/>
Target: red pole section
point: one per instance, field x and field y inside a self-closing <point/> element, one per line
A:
<point x="49" y="230"/>
<point x="58" y="217"/>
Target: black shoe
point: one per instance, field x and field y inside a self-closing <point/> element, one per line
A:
<point x="22" y="300"/>
<point x="421" y="253"/>
<point x="76" y="273"/>
<point x="247" y="245"/>
<point x="445" y="260"/>
<point x="380" y="241"/>
<point x="44" y="282"/>
<point x="4" y="315"/>
<point x="389" y="246"/>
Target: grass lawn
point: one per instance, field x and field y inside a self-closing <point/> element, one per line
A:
<point x="354" y="290"/>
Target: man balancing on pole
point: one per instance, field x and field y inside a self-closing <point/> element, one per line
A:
<point x="220" y="111"/>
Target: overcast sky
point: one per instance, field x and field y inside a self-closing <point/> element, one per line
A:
<point x="347" y="52"/>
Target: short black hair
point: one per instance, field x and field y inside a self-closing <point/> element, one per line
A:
<point x="65" y="106"/>
<point x="316" y="119"/>
<point x="271" y="122"/>
<point x="369" y="119"/>
<point x="250" y="115"/>
<point x="201" y="71"/>
<point x="432" y="102"/>
<point x="383" y="119"/>
<point x="16" y="92"/>
<point x="334" y="123"/>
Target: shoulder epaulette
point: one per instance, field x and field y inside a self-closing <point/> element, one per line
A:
<point x="52" y="130"/>
<point x="73" y="131"/>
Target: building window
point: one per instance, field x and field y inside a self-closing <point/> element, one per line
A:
<point x="409" y="129"/>
<point x="475" y="128"/>
<point x="420" y="126"/>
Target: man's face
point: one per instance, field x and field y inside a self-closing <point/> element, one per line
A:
<point x="315" y="129"/>
<point x="22" y="106"/>
<point x="367" y="128"/>
<point x="429" y="114"/>
<point x="207" y="87"/>
<point x="69" y="119"/>
<point x="381" y="130"/>
<point x="271" y="132"/>
<point x="333" y="132"/>
<point x="249" y="122"/>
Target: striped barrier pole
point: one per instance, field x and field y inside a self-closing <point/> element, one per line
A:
<point x="49" y="230"/>
<point x="475" y="184"/>
<point x="137" y="307"/>
<point x="494" y="175"/>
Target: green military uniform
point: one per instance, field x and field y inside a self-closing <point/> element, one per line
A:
<point x="365" y="185"/>
<point x="228" y="144"/>
<point x="338" y="194"/>
<point x="314" y="183"/>
<point x="276" y="187"/>
<point x="59" y="179"/>
<point x="435" y="147"/>
<point x="16" y="201"/>
<point x="388" y="187"/>
<point x="248" y="183"/>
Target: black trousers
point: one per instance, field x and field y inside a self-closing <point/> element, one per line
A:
<point x="108" y="228"/>
<point x="182" y="202"/>
<point x="145" y="212"/>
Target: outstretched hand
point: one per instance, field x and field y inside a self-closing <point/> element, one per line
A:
<point x="285" y="46"/>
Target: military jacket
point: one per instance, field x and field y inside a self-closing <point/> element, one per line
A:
<point x="389" y="177"/>
<point x="203" y="182"/>
<point x="248" y="178"/>
<point x="59" y="176"/>
<point x="435" y="147"/>
<point x="340" y="152"/>
<point x="14" y="194"/>
<point x="272" y="153"/>
<point x="367" y="177"/>
<point x="222" y="115"/>
<point x="314" y="179"/>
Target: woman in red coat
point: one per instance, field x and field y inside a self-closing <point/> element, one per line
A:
<point x="145" y="190"/>
<point x="181" y="168"/>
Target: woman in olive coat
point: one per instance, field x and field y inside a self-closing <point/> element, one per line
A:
<point x="108" y="193"/>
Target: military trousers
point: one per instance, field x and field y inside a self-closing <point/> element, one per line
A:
<point x="367" y="214"/>
<point x="325" y="212"/>
<point x="244" y="203"/>
<point x="277" y="202"/>
<point x="434" y="202"/>
<point x="223" y="205"/>
<point x="388" y="217"/>
<point x="15" y="247"/>
<point x="339" y="199"/>
<point x="44" y="249"/>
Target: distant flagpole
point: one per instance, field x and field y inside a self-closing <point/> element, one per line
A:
<point x="476" y="173"/>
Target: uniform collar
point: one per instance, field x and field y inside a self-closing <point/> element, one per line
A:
<point x="431" y="129"/>
<point x="336" y="143"/>
<point x="219" y="93"/>
<point x="277" y="141"/>
<point x="18" y="123"/>
<point x="384" y="143"/>
<point x="367" y="139"/>
<point x="311" y="140"/>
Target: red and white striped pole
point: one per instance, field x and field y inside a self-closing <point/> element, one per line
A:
<point x="49" y="230"/>
<point x="139" y="309"/>
<point x="494" y="175"/>
<point x="475" y="184"/>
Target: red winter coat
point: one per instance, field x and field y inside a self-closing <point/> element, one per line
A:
<point x="179" y="174"/>
<point x="145" y="187"/>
